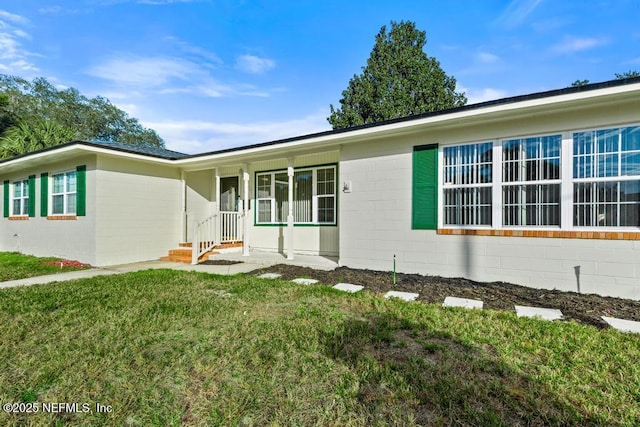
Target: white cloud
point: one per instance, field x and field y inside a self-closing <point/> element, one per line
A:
<point x="516" y="13"/>
<point x="487" y="58"/>
<point x="16" y="19"/>
<point x="143" y="72"/>
<point x="166" y="76"/>
<point x="577" y="44"/>
<point x="477" y="95"/>
<point x="254" y="64"/>
<point x="193" y="137"/>
<point x="14" y="58"/>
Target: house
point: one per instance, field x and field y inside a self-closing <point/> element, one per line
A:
<point x="541" y="190"/>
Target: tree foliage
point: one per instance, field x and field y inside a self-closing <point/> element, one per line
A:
<point x="399" y="80"/>
<point x="627" y="75"/>
<point x="619" y="76"/>
<point x="36" y="115"/>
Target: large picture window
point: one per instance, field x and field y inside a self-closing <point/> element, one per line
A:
<point x="606" y="178"/>
<point x="314" y="196"/>
<point x="467" y="181"/>
<point x="63" y="193"/>
<point x="572" y="181"/>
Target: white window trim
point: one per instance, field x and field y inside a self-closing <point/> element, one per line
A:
<point x="566" y="182"/>
<point x="445" y="186"/>
<point x="314" y="196"/>
<point x="24" y="197"/>
<point x="65" y="193"/>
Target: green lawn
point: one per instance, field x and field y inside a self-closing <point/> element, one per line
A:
<point x="165" y="347"/>
<point x="14" y="266"/>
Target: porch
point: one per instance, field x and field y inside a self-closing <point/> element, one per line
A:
<point x="286" y="205"/>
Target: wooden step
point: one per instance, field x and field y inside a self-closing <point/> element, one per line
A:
<point x="181" y="255"/>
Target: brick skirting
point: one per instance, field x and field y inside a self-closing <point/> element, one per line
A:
<point x="557" y="234"/>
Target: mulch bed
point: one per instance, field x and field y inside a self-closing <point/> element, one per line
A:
<point x="583" y="308"/>
<point x="62" y="263"/>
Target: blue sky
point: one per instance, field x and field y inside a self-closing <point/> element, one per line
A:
<point x="214" y="74"/>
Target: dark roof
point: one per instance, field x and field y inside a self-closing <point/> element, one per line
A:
<point x="502" y="101"/>
<point x="146" y="150"/>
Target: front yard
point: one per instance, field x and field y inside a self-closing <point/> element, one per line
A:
<point x="14" y="266"/>
<point x="163" y="347"/>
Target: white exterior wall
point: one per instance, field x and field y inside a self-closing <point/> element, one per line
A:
<point x="137" y="210"/>
<point x="70" y="239"/>
<point x="376" y="218"/>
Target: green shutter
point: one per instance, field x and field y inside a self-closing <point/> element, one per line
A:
<point x="32" y="196"/>
<point x="81" y="191"/>
<point x="44" y="194"/>
<point x="6" y="199"/>
<point x="425" y="187"/>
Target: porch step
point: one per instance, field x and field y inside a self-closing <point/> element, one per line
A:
<point x="183" y="252"/>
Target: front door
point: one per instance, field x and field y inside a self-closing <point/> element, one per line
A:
<point x="229" y="194"/>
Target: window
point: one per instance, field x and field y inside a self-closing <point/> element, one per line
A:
<point x="531" y="181"/>
<point x="606" y="178"/>
<point x="314" y="196"/>
<point x="467" y="185"/>
<point x="20" y="198"/>
<point x="63" y="193"/>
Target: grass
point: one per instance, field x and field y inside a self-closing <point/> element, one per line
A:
<point x="165" y="347"/>
<point x="14" y="266"/>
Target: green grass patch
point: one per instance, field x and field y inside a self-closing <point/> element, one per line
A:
<point x="14" y="266"/>
<point x="165" y="347"/>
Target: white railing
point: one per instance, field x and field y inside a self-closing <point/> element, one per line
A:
<point x="230" y="227"/>
<point x="221" y="227"/>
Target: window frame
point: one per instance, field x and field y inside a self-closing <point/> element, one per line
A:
<point x="272" y="201"/>
<point x="465" y="185"/>
<point x="64" y="194"/>
<point x="22" y="198"/>
<point x="566" y="182"/>
<point x="619" y="178"/>
<point x="524" y="182"/>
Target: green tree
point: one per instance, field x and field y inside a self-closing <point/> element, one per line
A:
<point x="26" y="137"/>
<point x="39" y="108"/>
<point x="580" y="83"/>
<point x="399" y="80"/>
<point x="627" y="75"/>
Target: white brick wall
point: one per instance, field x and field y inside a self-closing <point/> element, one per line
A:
<point x="376" y="219"/>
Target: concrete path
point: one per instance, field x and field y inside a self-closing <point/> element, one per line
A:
<point x="265" y="258"/>
<point x="127" y="268"/>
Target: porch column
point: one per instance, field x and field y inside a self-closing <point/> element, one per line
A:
<point x="245" y="207"/>
<point x="290" y="216"/>
<point x="216" y="208"/>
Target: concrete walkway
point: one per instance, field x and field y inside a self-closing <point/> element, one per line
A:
<point x="254" y="261"/>
<point x="271" y="258"/>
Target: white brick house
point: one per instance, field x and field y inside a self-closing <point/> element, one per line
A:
<point x="541" y="190"/>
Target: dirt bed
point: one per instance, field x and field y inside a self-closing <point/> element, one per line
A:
<point x="583" y="308"/>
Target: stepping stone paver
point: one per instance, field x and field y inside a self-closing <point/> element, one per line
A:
<point x="348" y="287"/>
<point x="623" y="325"/>
<point x="301" y="281"/>
<point x="270" y="276"/>
<point x="539" y="312"/>
<point x="407" y="296"/>
<point x="462" y="302"/>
